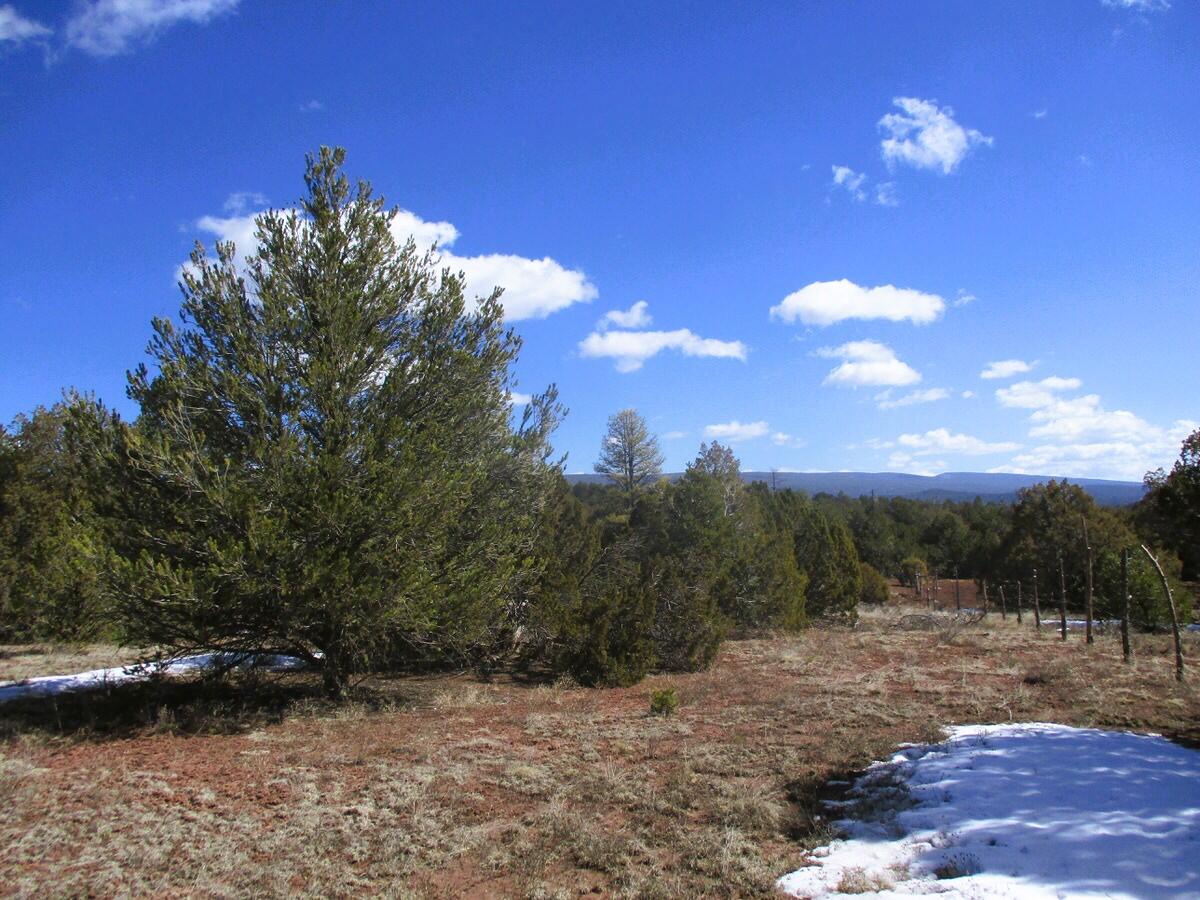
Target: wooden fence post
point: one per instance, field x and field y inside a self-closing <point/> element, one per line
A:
<point x="1126" y="646"/>
<point x="1087" y="545"/>
<point x="1062" y="595"/>
<point x="1003" y="604"/>
<point x="1174" y="615"/>
<point x="1018" y="601"/>
<point x="1037" y="607"/>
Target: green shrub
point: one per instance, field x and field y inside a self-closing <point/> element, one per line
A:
<point x="664" y="702"/>
<point x="874" y="585"/>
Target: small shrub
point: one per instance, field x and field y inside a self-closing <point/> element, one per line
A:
<point x="874" y="586"/>
<point x="856" y="880"/>
<point x="960" y="865"/>
<point x="664" y="702"/>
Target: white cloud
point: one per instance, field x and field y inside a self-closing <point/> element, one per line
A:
<point x="109" y="27"/>
<point x="425" y="234"/>
<point x="637" y="316"/>
<point x="16" y="28"/>
<point x="516" y="398"/>
<point x="312" y="106"/>
<point x="866" y="364"/>
<point x="885" y="194"/>
<point x="828" y="302"/>
<point x="926" y="137"/>
<point x="968" y="395"/>
<point x="1006" y="368"/>
<point x="941" y="440"/>
<point x="1040" y="113"/>
<point x="782" y="439"/>
<point x="962" y="298"/>
<point x="1083" y="438"/>
<point x="855" y="185"/>
<point x="844" y="176"/>
<point x="238" y="228"/>
<point x="906" y="462"/>
<point x="736" y="431"/>
<point x="1079" y="417"/>
<point x="1034" y="394"/>
<point x="533" y="288"/>
<point x="631" y="349"/>
<point x="674" y="435"/>
<point x="240" y="202"/>
<point x="1139" y="5"/>
<point x="929" y="395"/>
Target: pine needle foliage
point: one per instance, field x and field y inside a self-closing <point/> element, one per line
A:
<point x="324" y="464"/>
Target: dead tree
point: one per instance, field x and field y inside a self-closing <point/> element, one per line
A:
<point x="1003" y="604"/>
<point x="1037" y="606"/>
<point x="983" y="584"/>
<point x="1018" y="602"/>
<point x="1174" y="614"/>
<point x="1126" y="647"/>
<point x="1087" y="546"/>
<point x="1062" y="595"/>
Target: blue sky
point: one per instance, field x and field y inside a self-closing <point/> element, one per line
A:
<point x="835" y="215"/>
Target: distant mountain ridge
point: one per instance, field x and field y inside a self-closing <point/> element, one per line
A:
<point x="992" y="487"/>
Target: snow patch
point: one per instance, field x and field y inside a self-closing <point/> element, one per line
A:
<point x="50" y="685"/>
<point x="1030" y="811"/>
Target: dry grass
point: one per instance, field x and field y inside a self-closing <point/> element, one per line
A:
<point x="20" y="661"/>
<point x="442" y="786"/>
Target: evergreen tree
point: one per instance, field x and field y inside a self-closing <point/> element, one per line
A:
<point x="1171" y="509"/>
<point x="629" y="454"/>
<point x="324" y="464"/>
<point x="52" y="543"/>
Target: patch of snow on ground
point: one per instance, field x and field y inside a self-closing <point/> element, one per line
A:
<point x="1026" y="811"/>
<point x="48" y="685"/>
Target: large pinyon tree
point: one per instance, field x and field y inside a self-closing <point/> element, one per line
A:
<point x="324" y="464"/>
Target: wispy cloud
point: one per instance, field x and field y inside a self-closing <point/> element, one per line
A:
<point x="845" y="177"/>
<point x="929" y="395"/>
<point x="112" y="27"/>
<point x="1006" y="368"/>
<point x="926" y="136"/>
<point x="16" y="29"/>
<point x="1139" y="5"/>
<point x="631" y="349"/>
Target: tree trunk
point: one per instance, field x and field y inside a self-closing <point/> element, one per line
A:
<point x="1174" y="615"/>
<point x="983" y="582"/>
<point x="1018" y="603"/>
<point x="334" y="677"/>
<point x="1037" y="606"/>
<point x="1062" y="595"/>
<point x="1003" y="604"/>
<point x="1087" y="545"/>
<point x="1126" y="647"/>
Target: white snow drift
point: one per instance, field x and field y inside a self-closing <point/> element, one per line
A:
<point x="1027" y="811"/>
<point x="49" y="685"/>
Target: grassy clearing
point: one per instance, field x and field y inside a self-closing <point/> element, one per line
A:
<point x="444" y="786"/>
<point x="20" y="661"/>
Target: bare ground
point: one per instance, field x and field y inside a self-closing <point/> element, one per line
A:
<point x="447" y="786"/>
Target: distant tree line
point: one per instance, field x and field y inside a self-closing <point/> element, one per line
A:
<point x="326" y="463"/>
